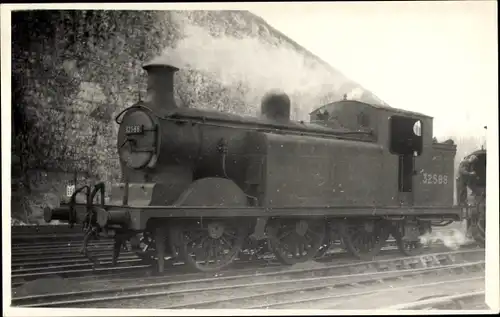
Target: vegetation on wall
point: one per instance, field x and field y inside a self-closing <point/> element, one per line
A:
<point x="71" y="72"/>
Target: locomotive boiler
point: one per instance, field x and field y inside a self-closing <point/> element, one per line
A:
<point x="198" y="184"/>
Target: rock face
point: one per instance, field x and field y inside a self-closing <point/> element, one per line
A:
<point x="74" y="71"/>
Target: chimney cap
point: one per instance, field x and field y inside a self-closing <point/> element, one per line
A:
<point x="161" y="61"/>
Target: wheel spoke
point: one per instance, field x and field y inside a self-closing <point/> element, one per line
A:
<point x="306" y="237"/>
<point x="212" y="248"/>
<point x="314" y="232"/>
<point x="208" y="251"/>
<point x="362" y="243"/>
<point x="289" y="246"/>
<point x="284" y="235"/>
<point x="191" y="240"/>
<point x="223" y="239"/>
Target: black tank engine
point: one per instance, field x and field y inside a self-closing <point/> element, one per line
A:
<point x="201" y="184"/>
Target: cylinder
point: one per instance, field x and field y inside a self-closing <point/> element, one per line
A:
<point x="112" y="217"/>
<point x="59" y="213"/>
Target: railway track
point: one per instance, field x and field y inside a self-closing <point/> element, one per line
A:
<point x="74" y="265"/>
<point x="267" y="287"/>
<point x="30" y="229"/>
<point x="60" y="257"/>
<point x="36" y="260"/>
<point x="354" y="292"/>
<point x="69" y="263"/>
<point x="25" y="234"/>
<point x="110" y="274"/>
<point x="130" y="284"/>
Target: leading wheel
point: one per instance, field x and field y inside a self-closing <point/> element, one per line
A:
<point x="407" y="247"/>
<point x="210" y="245"/>
<point x="295" y="240"/>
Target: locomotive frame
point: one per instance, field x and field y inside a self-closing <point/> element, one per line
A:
<point x="369" y="172"/>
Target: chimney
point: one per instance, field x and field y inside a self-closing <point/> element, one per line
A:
<point x="276" y="106"/>
<point x="161" y="84"/>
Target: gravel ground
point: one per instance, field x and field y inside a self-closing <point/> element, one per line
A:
<point x="46" y="286"/>
<point x="401" y="291"/>
<point x="298" y="293"/>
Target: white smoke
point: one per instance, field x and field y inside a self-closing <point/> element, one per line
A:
<point x="452" y="238"/>
<point x="262" y="67"/>
<point x="249" y="60"/>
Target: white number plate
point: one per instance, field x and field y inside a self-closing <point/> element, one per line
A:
<point x="134" y="129"/>
<point x="70" y="189"/>
<point x="434" y="179"/>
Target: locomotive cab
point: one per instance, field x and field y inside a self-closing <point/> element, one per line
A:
<point x="405" y="141"/>
<point x="422" y="170"/>
<point x="418" y="171"/>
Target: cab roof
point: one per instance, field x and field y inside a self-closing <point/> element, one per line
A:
<point x="375" y="106"/>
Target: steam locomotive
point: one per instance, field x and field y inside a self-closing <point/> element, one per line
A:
<point x="200" y="185"/>
<point x="476" y="213"/>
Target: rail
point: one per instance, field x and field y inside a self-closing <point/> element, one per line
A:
<point x="440" y="301"/>
<point x="251" y="288"/>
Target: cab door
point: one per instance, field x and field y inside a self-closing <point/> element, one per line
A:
<point x="406" y="181"/>
<point x="406" y="143"/>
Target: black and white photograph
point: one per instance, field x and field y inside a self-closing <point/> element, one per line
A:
<point x="250" y="158"/>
